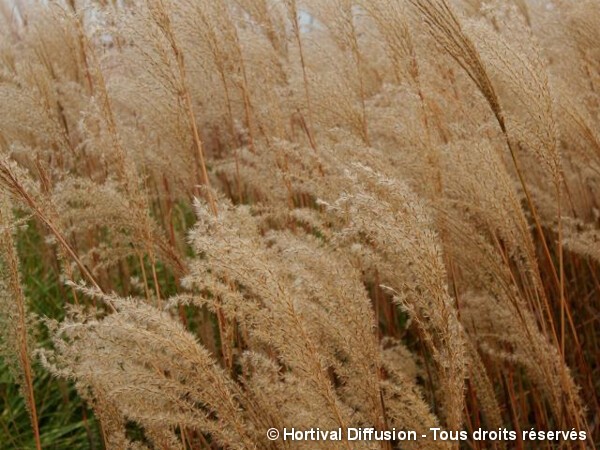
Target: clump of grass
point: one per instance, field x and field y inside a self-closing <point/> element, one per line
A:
<point x="395" y="225"/>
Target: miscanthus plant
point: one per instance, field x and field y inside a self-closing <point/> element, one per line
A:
<point x="223" y="216"/>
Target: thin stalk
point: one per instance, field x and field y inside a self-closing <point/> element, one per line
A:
<point x="561" y="271"/>
<point x="184" y="93"/>
<point x="361" y="83"/>
<point x="12" y="265"/>
<point x="293" y="11"/>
